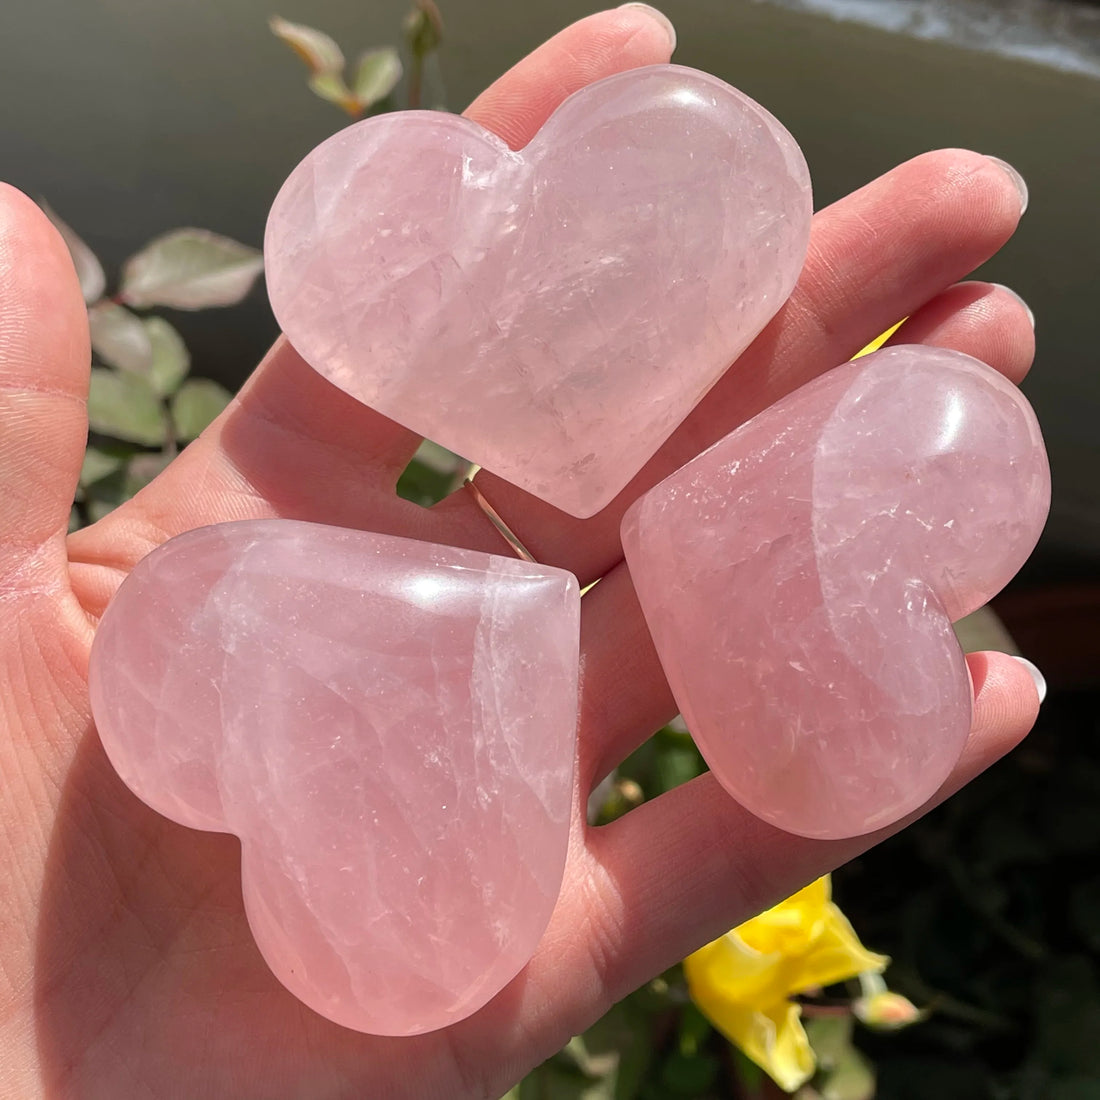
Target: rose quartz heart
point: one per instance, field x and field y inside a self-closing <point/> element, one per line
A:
<point x="387" y="726"/>
<point x="801" y="576"/>
<point x="551" y="314"/>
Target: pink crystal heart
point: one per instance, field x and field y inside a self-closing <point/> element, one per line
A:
<point x="551" y="314"/>
<point x="800" y="579"/>
<point x="387" y="726"/>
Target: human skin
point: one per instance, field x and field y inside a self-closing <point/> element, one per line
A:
<point x="127" y="968"/>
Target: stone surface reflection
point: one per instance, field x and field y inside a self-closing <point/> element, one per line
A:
<point x="399" y="770"/>
<point x="551" y="314"/>
<point x="800" y="579"/>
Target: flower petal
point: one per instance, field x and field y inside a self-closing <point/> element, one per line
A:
<point x="791" y="926"/>
<point x="728" y="971"/>
<point x="773" y="1038"/>
<point x="837" y="955"/>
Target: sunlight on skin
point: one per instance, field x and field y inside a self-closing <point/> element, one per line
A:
<point x="128" y="968"/>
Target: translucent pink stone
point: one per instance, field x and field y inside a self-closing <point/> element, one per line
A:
<point x="387" y="726"/>
<point x="801" y="576"/>
<point x="552" y="314"/>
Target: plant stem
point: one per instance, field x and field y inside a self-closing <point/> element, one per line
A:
<point x="416" y="81"/>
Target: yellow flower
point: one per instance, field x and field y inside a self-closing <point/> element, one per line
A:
<point x="878" y="341"/>
<point x="743" y="983"/>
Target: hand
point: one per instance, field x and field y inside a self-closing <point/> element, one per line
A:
<point x="128" y="969"/>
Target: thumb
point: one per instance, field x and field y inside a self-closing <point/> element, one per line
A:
<point x="44" y="365"/>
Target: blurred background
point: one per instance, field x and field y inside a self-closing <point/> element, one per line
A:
<point x="132" y="118"/>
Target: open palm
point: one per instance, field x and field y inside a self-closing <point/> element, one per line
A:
<point x="128" y="969"/>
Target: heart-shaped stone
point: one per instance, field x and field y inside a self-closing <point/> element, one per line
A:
<point x="387" y="726"/>
<point x="800" y="579"/>
<point x="551" y="314"/>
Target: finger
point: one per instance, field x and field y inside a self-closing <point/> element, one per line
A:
<point x="988" y="321"/>
<point x="630" y="696"/>
<point x="677" y="872"/>
<point x="517" y="105"/>
<point x="659" y="906"/>
<point x="44" y="362"/>
<point x="625" y="694"/>
<point x="875" y="256"/>
<point x="293" y="445"/>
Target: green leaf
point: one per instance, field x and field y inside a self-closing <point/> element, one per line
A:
<point x="142" y="469"/>
<point x="376" y="76"/>
<point x="190" y="269"/>
<point x="89" y="271"/>
<point x="423" y="28"/>
<point x="331" y="88"/>
<point x="119" y="338"/>
<point x="593" y="1060"/>
<point x="830" y="1037"/>
<point x="608" y="1062"/>
<point x="852" y="1079"/>
<point x="695" y="1030"/>
<point x="314" y="47"/>
<point x="747" y="1071"/>
<point x="559" y="1080"/>
<point x="688" y="1075"/>
<point x="108" y="493"/>
<point x="171" y="359"/>
<point x="125" y="406"/>
<point x="197" y="403"/>
<point x="98" y="464"/>
<point x="439" y="458"/>
<point x="676" y="764"/>
<point x="431" y="474"/>
<point x="983" y="629"/>
<point x="99" y="508"/>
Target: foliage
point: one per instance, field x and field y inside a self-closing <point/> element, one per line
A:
<point x="142" y="406"/>
<point x="749" y="982"/>
<point x="656" y="1044"/>
<point x="990" y="907"/>
<point x="374" y="77"/>
<point x="982" y="1036"/>
<point x="142" y="403"/>
<point x="982" y="905"/>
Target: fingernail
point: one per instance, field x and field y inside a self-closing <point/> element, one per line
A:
<point x="658" y="16"/>
<point x="1016" y="178"/>
<point x="1009" y="290"/>
<point x="1037" y="676"/>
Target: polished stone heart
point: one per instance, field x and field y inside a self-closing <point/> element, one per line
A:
<point x="800" y="579"/>
<point x="551" y="314"/>
<point x="387" y="726"/>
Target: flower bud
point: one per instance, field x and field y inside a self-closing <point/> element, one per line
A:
<point x="886" y="1010"/>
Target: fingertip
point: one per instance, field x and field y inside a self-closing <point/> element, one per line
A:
<point x="515" y="106"/>
<point x="650" y="16"/>
<point x="15" y="203"/>
<point x="995" y="198"/>
<point x="1018" y="300"/>
<point x="44" y="357"/>
<point x="1037" y="677"/>
<point x="1016" y="179"/>
<point x="26" y="231"/>
<point x="1006" y="704"/>
<point x="48" y="348"/>
<point x="986" y="320"/>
